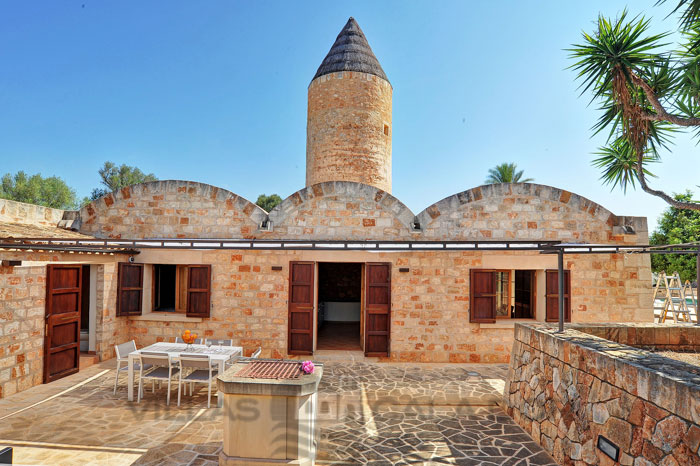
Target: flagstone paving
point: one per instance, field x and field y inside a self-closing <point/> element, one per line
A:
<point x="369" y="413"/>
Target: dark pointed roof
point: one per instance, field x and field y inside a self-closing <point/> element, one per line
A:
<point x="351" y="52"/>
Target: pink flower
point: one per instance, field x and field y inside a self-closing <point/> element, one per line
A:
<point x="307" y="367"/>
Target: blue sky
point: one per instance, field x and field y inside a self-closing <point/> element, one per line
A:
<point x="216" y="92"/>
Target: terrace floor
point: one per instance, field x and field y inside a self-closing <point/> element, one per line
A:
<point x="369" y="413"/>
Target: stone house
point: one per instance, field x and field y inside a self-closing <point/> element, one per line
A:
<point x="339" y="265"/>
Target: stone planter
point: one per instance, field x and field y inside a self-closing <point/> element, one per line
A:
<point x="269" y="421"/>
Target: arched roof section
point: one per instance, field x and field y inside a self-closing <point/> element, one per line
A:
<point x="171" y="209"/>
<point x="522" y="211"/>
<point x="341" y="210"/>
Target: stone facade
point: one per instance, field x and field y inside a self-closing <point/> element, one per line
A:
<point x="341" y="210"/>
<point x="250" y="299"/>
<point x="527" y="211"/>
<point x="171" y="209"/>
<point x="22" y="301"/>
<point x="348" y="133"/>
<point x="568" y="389"/>
<point x="23" y="308"/>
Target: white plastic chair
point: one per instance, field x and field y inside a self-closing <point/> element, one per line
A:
<point x="122" y="352"/>
<point x="219" y="341"/>
<point x="257" y="352"/>
<point x="164" y="369"/>
<point x="197" y="341"/>
<point x="203" y="372"/>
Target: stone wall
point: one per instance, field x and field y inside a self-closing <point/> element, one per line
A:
<point x="23" y="308"/>
<point x="349" y="129"/>
<point x="19" y="212"/>
<point x="341" y="210"/>
<point x="526" y="211"/>
<point x="110" y="329"/>
<point x="568" y="389"/>
<point x="670" y="336"/>
<point x="171" y="209"/>
<point x="430" y="303"/>
<point x="22" y="300"/>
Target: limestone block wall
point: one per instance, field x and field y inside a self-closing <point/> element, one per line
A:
<point x="526" y="211"/>
<point x="110" y="329"/>
<point x="349" y="129"/>
<point x="568" y="389"/>
<point x="22" y="300"/>
<point x="23" y="309"/>
<point x="171" y="209"/>
<point x="341" y="210"/>
<point x="19" y="212"/>
<point x="430" y="303"/>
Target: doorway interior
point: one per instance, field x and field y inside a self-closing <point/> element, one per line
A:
<point x="339" y="306"/>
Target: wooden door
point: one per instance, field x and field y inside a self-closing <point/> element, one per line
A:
<point x="377" y="309"/>
<point x="552" y="296"/>
<point x="300" y="337"/>
<point x="62" y="338"/>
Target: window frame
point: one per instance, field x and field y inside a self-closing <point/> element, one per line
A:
<point x="180" y="306"/>
<point x="510" y="299"/>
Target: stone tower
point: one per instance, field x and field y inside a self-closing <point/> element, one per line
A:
<point x="348" y="129"/>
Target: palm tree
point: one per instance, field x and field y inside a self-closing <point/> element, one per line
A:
<point x="506" y="173"/>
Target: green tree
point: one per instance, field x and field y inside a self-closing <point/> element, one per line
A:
<point x="645" y="91"/>
<point x="114" y="178"/>
<point x="268" y="202"/>
<point x="676" y="226"/>
<point x="49" y="192"/>
<point x="506" y="173"/>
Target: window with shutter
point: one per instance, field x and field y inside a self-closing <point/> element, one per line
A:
<point x="129" y="289"/>
<point x="198" y="290"/>
<point x="482" y="296"/>
<point x="552" y="296"/>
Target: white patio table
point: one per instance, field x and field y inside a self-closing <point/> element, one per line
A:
<point x="218" y="354"/>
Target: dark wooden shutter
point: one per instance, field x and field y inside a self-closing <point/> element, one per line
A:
<point x="482" y="296"/>
<point x="62" y="338"/>
<point x="552" y="296"/>
<point x="300" y="337"/>
<point x="129" y="289"/>
<point x="198" y="290"/>
<point x="377" y="309"/>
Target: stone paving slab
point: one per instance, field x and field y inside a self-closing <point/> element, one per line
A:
<point x="370" y="413"/>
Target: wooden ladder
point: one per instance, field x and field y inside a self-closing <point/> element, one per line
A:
<point x="674" y="301"/>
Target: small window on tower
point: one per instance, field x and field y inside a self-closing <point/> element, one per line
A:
<point x="386" y="130"/>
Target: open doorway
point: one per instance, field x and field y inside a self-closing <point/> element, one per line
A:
<point x="339" y="306"/>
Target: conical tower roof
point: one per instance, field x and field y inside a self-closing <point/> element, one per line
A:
<point x="351" y="52"/>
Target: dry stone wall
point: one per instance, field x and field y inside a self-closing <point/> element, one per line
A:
<point x="568" y="389"/>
